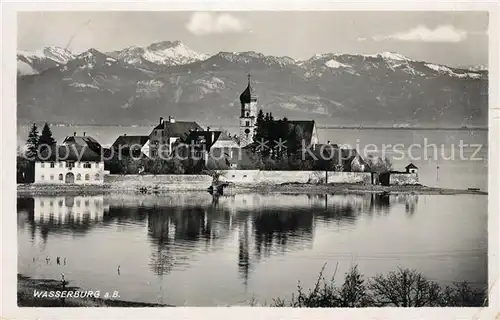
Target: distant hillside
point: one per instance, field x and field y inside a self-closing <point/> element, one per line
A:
<point x="138" y="85"/>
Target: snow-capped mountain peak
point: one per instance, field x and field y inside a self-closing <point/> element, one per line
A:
<point x="34" y="62"/>
<point x="55" y="53"/>
<point x="164" y="53"/>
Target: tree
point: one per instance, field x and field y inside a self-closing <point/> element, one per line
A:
<point x="32" y="141"/>
<point x="353" y="293"/>
<point x="404" y="288"/>
<point x="46" y="138"/>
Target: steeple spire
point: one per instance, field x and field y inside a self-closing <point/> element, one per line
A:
<point x="249" y="94"/>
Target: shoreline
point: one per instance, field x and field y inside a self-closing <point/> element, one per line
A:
<point x="27" y="285"/>
<point x="338" y="188"/>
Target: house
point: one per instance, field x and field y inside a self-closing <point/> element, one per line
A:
<point x="166" y="133"/>
<point x="207" y="146"/>
<point x="77" y="161"/>
<point x="411" y="168"/>
<point x="135" y="146"/>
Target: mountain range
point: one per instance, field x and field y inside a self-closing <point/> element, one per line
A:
<point x="137" y="85"/>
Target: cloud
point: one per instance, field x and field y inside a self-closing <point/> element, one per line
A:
<point x="204" y="23"/>
<point x="421" y="33"/>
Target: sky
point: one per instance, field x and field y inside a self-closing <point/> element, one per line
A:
<point x="446" y="37"/>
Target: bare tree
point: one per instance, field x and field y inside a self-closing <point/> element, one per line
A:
<point x="404" y="288"/>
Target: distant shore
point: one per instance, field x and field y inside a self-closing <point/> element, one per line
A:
<point x="338" y="188"/>
<point x="26" y="287"/>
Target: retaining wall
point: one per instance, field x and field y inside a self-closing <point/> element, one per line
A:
<point x="278" y="177"/>
<point x="161" y="181"/>
<point x="403" y="179"/>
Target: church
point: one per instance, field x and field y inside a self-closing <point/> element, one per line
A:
<point x="248" y="120"/>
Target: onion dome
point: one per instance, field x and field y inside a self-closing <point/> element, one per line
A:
<point x="249" y="94"/>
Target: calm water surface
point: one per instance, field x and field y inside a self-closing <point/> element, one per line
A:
<point x="192" y="249"/>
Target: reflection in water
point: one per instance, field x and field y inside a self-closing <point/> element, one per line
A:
<point x="181" y="226"/>
<point x="62" y="214"/>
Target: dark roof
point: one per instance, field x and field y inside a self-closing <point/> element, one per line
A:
<point x="207" y="138"/>
<point x="306" y="126"/>
<point x="249" y="94"/>
<point x="127" y="141"/>
<point x="83" y="141"/>
<point x="411" y="166"/>
<point x="69" y="152"/>
<point x="178" y="128"/>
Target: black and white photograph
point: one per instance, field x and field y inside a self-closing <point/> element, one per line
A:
<point x="277" y="159"/>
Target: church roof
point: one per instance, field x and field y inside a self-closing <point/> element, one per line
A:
<point x="307" y="128"/>
<point x="249" y="94"/>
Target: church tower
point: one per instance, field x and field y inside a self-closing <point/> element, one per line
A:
<point x="248" y="117"/>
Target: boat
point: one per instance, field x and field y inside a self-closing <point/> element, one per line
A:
<point x="473" y="189"/>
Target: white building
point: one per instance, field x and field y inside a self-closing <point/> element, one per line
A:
<point x="77" y="161"/>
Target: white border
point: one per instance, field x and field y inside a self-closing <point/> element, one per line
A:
<point x="8" y="307"/>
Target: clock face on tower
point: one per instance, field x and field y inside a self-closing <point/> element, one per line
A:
<point x="247" y="131"/>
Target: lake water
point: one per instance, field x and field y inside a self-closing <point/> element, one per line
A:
<point x="192" y="249"/>
<point x="428" y="149"/>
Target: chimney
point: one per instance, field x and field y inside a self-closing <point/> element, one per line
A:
<point x="161" y="120"/>
<point x="171" y="119"/>
<point x="208" y="128"/>
<point x="125" y="135"/>
<point x="84" y="133"/>
<point x="74" y="133"/>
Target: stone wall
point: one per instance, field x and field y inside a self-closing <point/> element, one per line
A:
<point x="403" y="179"/>
<point x="350" y="177"/>
<point x="278" y="177"/>
<point x="160" y="182"/>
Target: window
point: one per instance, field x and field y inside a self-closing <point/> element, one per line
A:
<point x="60" y="203"/>
<point x="42" y="165"/>
<point x="78" y="203"/>
<point x="42" y="177"/>
<point x="87" y="177"/>
<point x="78" y="165"/>
<point x="70" y="164"/>
<point x="61" y="177"/>
<point x="87" y="165"/>
<point x="41" y="203"/>
<point x="97" y="164"/>
<point x="97" y="176"/>
<point x="247" y="113"/>
<point x="51" y="177"/>
<point x="79" y="177"/>
<point x="87" y="202"/>
<point x="60" y="164"/>
<point x="52" y="165"/>
<point x="247" y="124"/>
<point x="51" y="203"/>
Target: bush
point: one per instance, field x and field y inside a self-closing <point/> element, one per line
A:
<point x="400" y="288"/>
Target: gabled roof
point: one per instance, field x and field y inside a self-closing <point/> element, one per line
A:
<point x="411" y="166"/>
<point x="69" y="152"/>
<point x="128" y="141"/>
<point x="178" y="128"/>
<point x="206" y="138"/>
<point x="83" y="141"/>
<point x="307" y="128"/>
